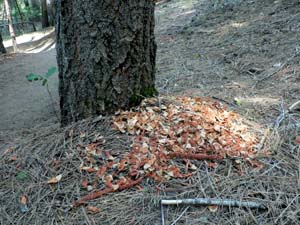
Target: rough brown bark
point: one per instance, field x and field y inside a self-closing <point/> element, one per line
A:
<point x="2" y="48"/>
<point x="45" y="19"/>
<point x="10" y="26"/>
<point x="106" y="55"/>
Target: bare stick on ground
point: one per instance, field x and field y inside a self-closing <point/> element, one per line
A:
<point x="211" y="201"/>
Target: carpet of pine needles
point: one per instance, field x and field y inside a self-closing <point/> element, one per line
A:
<point x="246" y="55"/>
<point x="27" y="167"/>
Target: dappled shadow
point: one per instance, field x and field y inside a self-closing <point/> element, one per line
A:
<point x="249" y="54"/>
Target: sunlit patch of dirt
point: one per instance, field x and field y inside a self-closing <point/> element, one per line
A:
<point x="250" y="51"/>
<point x="34" y="42"/>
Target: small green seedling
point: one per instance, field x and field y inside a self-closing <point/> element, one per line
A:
<point x="21" y="176"/>
<point x="44" y="78"/>
<point x="237" y="101"/>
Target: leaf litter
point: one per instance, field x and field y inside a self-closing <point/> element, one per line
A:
<point x="168" y="135"/>
<point x="97" y="159"/>
<point x="44" y="152"/>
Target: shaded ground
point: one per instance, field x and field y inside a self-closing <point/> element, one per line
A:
<point x="25" y="104"/>
<point x="247" y="52"/>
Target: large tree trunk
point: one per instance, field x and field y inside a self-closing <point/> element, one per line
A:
<point x="10" y="26"/>
<point x="45" y="19"/>
<point x="105" y="54"/>
<point x="2" y="48"/>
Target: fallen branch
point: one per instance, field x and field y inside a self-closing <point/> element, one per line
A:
<point x="209" y="201"/>
<point x="99" y="193"/>
<point x="93" y="195"/>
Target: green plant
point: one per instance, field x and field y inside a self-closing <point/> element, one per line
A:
<point x="32" y="77"/>
<point x="238" y="101"/>
<point x="21" y="176"/>
<point x="44" y="78"/>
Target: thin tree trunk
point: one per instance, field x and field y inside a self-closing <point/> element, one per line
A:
<point x="27" y="5"/>
<point x="21" y="15"/>
<point x="45" y="19"/>
<point x="35" y="8"/>
<point x="3" y="14"/>
<point x="106" y="56"/>
<point x="51" y="12"/>
<point x="26" y="2"/>
<point x="35" y="4"/>
<point x="10" y="26"/>
<point x="2" y="48"/>
<point x="33" y="26"/>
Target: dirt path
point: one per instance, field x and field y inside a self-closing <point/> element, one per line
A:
<point x="24" y="104"/>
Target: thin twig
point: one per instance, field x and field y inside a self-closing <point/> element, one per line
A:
<point x="268" y="75"/>
<point x="281" y="117"/>
<point x="179" y="217"/>
<point x="280" y="216"/>
<point x="53" y="102"/>
<point x="291" y="108"/>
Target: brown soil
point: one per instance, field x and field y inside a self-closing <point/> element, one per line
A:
<point x="24" y="104"/>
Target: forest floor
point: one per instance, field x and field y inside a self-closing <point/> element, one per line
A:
<point x="25" y="104"/>
<point x="246" y="56"/>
